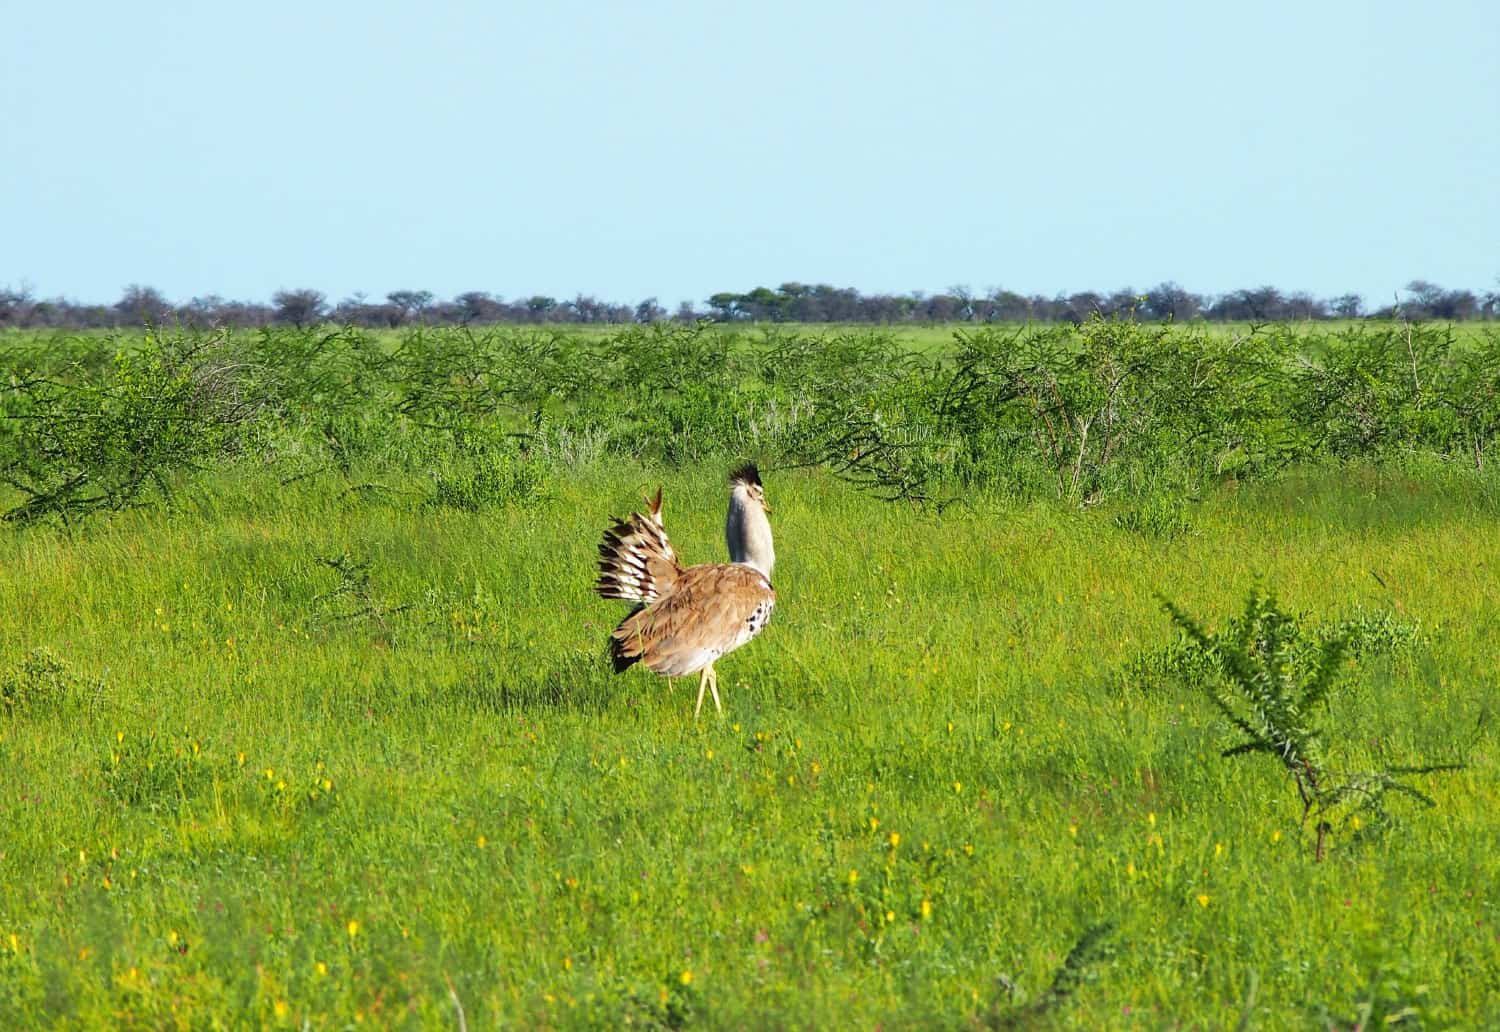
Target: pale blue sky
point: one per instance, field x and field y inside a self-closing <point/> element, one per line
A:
<point x="675" y="149"/>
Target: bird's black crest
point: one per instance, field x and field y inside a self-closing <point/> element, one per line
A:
<point x="746" y="474"/>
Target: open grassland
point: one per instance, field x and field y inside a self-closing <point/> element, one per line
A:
<point x="327" y="735"/>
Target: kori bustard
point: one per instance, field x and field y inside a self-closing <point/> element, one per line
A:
<point x="687" y="617"/>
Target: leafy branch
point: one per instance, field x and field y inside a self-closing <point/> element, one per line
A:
<point x="1077" y="968"/>
<point x="1271" y="679"/>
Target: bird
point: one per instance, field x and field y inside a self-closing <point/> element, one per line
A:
<point x="687" y="617"/>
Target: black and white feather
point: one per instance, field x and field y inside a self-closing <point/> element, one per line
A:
<point x="636" y="560"/>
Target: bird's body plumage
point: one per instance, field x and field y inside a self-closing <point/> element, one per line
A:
<point x="688" y="617"/>
<point x="711" y="610"/>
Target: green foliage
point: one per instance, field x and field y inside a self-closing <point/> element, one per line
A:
<point x="1378" y="632"/>
<point x="289" y="795"/>
<point x="98" y="444"/>
<point x="317" y="371"/>
<point x="155" y="771"/>
<point x="1271" y="679"/>
<point x="1108" y="407"/>
<point x="1113" y="403"/>
<point x="1366" y="632"/>
<point x="355" y="598"/>
<point x="1392" y="996"/>
<point x="484" y="472"/>
<point x="1159" y="516"/>
<point x="1077" y="970"/>
<point x="1178" y="661"/>
<point x="38" y="680"/>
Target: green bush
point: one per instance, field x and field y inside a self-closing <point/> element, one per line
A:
<point x="98" y="443"/>
<point x="480" y="477"/>
<point x="39" y="679"/>
<point x="1108" y="408"/>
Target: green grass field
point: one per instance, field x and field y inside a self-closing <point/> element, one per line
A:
<point x="243" y="789"/>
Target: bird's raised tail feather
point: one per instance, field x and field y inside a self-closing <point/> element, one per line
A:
<point x="636" y="561"/>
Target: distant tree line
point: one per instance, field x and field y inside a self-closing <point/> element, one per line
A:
<point x="790" y="302"/>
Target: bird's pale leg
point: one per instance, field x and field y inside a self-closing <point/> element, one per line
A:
<point x="702" y="686"/>
<point x="713" y="686"/>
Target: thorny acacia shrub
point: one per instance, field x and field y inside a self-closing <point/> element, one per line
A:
<point x="97" y="443"/>
<point x="1107" y="407"/>
<point x="1366" y="392"/>
<point x="1112" y="403"/>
